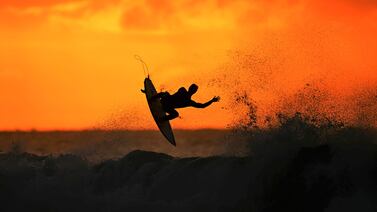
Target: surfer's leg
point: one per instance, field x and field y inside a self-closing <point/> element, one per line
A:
<point x="172" y="114"/>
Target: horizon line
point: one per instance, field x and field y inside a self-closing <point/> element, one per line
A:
<point x="102" y="129"/>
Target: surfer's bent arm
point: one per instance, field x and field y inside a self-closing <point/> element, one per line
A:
<point x="204" y="105"/>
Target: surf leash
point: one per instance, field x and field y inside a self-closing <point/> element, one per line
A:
<point x="145" y="67"/>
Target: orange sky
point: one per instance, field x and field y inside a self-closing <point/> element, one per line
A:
<point x="68" y="64"/>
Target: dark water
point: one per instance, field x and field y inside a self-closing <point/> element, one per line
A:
<point x="298" y="165"/>
<point x="99" y="145"/>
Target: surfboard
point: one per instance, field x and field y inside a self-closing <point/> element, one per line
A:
<point x="157" y="111"/>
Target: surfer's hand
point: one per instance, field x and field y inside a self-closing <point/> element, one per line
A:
<point x="216" y="99"/>
<point x="143" y="91"/>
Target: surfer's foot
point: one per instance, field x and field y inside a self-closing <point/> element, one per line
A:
<point x="143" y="91"/>
<point x="168" y="117"/>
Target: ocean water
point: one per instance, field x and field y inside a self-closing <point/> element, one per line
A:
<point x="98" y="145"/>
<point x="298" y="165"/>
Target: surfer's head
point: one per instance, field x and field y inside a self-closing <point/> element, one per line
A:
<point x="193" y="88"/>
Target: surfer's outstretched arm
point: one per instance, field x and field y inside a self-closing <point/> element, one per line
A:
<point x="204" y="105"/>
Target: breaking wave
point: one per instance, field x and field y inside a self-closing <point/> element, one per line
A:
<point x="299" y="164"/>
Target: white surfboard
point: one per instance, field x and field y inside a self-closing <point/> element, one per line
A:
<point x="157" y="111"/>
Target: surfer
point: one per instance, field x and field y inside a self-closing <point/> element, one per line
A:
<point x="180" y="99"/>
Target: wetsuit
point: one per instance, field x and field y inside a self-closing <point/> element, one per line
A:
<point x="180" y="99"/>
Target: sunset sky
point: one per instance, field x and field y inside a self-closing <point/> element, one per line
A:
<point x="69" y="64"/>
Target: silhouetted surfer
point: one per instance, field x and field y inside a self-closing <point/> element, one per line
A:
<point x="181" y="99"/>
